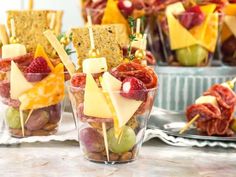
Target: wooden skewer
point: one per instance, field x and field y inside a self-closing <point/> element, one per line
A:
<point x="31" y="4"/>
<point x="52" y="21"/>
<point x="3" y="35"/>
<point x="92" y="44"/>
<point x="22" y="122"/>
<point x="186" y="127"/>
<point x="13" y="29"/>
<point x="31" y="111"/>
<point x="138" y="25"/>
<point x="144" y="41"/>
<point x="104" y="131"/>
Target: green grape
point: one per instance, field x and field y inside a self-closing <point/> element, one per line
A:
<point x="13" y="118"/>
<point x="126" y="142"/>
<point x="233" y="125"/>
<point x="191" y="56"/>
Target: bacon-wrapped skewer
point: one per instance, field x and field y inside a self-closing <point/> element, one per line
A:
<point x="214" y="111"/>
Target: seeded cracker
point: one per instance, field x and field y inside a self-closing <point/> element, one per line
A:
<point x="30" y="26"/>
<point x="108" y="40"/>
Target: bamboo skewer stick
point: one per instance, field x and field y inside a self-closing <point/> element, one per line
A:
<point x="104" y="131"/>
<point x="92" y="44"/>
<point x="138" y="25"/>
<point x="13" y="29"/>
<point x="3" y="35"/>
<point x="186" y="127"/>
<point x="52" y="21"/>
<point x="31" y="4"/>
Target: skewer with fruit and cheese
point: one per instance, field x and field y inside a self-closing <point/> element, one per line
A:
<point x="213" y="113"/>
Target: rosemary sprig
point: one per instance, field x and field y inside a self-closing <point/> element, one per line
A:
<point x="132" y="37"/>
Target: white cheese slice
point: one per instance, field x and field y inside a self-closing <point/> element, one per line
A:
<point x="19" y="84"/>
<point x="230" y="21"/>
<point x="61" y="51"/>
<point x="94" y="65"/>
<point x="175" y="8"/>
<point x="207" y="99"/>
<point x="13" y="50"/>
<point x="124" y="108"/>
<point x="95" y="103"/>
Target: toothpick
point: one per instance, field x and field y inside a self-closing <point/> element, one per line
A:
<point x="52" y="21"/>
<point x="3" y="35"/>
<point x="13" y="30"/>
<point x="138" y="25"/>
<point x="92" y="45"/>
<point x="104" y="131"/>
<point x="31" y="111"/>
<point x="186" y="127"/>
<point x="120" y="136"/>
<point x="144" y="42"/>
<point x="31" y="4"/>
<point x="22" y="122"/>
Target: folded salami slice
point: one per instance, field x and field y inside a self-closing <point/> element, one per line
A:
<point x="132" y="69"/>
<point x="225" y="96"/>
<point x="22" y="61"/>
<point x="215" y="120"/>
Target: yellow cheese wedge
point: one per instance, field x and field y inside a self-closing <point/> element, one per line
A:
<point x="180" y="37"/>
<point x="61" y="51"/>
<point x="19" y="84"/>
<point x="207" y="32"/>
<point x="124" y="108"/>
<point x="95" y="103"/>
<point x="49" y="91"/>
<point x="208" y="9"/>
<point x="112" y="14"/>
<point x="207" y="99"/>
<point x="230" y="9"/>
<point x="230" y="21"/>
<point x="13" y="50"/>
<point x="40" y="52"/>
<point x="94" y="65"/>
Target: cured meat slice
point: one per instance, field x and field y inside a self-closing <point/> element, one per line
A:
<point x="22" y="61"/>
<point x="225" y="97"/>
<point x="205" y="111"/>
<point x="132" y="69"/>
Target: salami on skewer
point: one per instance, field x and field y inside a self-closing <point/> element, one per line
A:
<point x="214" y="111"/>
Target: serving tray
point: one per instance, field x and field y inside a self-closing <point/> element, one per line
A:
<point x="171" y="123"/>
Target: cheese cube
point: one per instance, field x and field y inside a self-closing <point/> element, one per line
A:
<point x="207" y="99"/>
<point x="13" y="50"/>
<point x="94" y="65"/>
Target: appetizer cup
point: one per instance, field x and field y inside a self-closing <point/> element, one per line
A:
<point x="39" y="109"/>
<point x="98" y="138"/>
<point x="228" y="40"/>
<point x="187" y="39"/>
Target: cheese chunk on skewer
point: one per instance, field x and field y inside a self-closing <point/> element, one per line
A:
<point x="207" y="99"/>
<point x="13" y="50"/>
<point x="94" y="65"/>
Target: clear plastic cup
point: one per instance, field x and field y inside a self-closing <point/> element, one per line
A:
<point x="123" y="147"/>
<point x="228" y="41"/>
<point x="182" y="44"/>
<point x="42" y="121"/>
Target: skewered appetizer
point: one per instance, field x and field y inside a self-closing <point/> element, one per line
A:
<point x="214" y="111"/>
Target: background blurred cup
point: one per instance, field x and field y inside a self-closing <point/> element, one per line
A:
<point x="183" y="40"/>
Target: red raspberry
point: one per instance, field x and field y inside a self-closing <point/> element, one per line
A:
<point x="38" y="65"/>
<point x="126" y="7"/>
<point x="133" y="88"/>
<point x="193" y="16"/>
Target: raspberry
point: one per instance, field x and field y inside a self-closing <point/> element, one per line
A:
<point x="193" y="16"/>
<point x="133" y="88"/>
<point x="38" y="65"/>
<point x="126" y="7"/>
